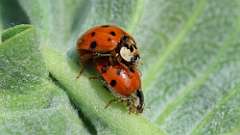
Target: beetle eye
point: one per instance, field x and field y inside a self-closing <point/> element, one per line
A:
<point x="136" y="57"/>
<point x="133" y="59"/>
<point x="125" y="38"/>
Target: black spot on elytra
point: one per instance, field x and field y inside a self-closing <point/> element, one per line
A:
<point x="109" y="39"/>
<point x="93" y="45"/>
<point x="113" y="83"/>
<point x="104" y="26"/>
<point x="93" y="34"/>
<point x="113" y="33"/>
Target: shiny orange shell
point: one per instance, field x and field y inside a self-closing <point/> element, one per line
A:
<point x="101" y="39"/>
<point x="119" y="79"/>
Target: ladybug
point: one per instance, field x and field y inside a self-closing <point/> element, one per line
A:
<point x="124" y="83"/>
<point x="108" y="41"/>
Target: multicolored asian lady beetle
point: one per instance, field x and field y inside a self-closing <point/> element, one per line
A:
<point x="108" y="41"/>
<point x="115" y="54"/>
<point x="124" y="83"/>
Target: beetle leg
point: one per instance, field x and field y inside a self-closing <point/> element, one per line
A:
<point x="111" y="60"/>
<point x="80" y="72"/>
<point x="131" y="106"/>
<point x="98" y="78"/>
<point x="94" y="78"/>
<point x="110" y="102"/>
<point x="97" y="55"/>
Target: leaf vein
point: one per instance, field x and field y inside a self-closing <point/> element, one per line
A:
<point x="173" y="46"/>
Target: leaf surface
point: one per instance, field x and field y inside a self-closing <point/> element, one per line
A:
<point x="190" y="50"/>
<point x="30" y="103"/>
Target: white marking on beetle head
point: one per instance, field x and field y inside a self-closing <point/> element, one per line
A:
<point x="126" y="54"/>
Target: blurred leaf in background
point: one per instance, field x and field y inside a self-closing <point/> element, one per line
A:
<point x="191" y="79"/>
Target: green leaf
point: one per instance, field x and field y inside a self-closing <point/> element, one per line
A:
<point x="190" y="51"/>
<point x="63" y="67"/>
<point x="30" y="103"/>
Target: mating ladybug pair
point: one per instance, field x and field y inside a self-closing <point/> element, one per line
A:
<point x="115" y="56"/>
